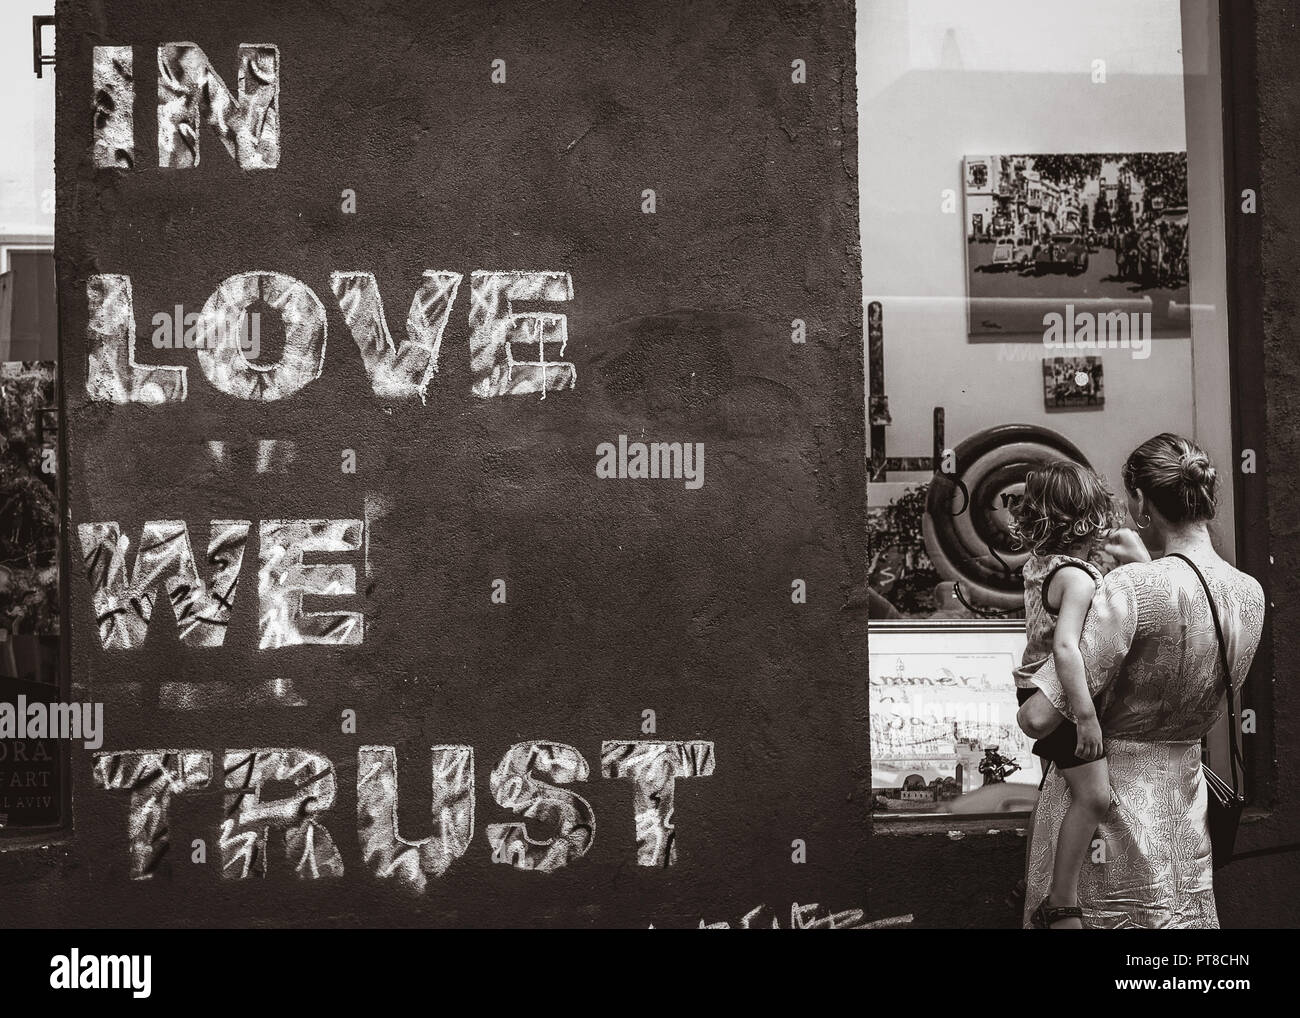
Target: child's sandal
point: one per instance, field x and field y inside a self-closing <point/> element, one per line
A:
<point x="1046" y="914"/>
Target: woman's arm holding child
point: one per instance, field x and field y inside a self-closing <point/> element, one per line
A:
<point x="1076" y="591"/>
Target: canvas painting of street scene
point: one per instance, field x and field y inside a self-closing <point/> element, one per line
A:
<point x="1075" y="236"/>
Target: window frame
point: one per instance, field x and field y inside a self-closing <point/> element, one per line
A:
<point x="1246" y="412"/>
<point x="12" y="839"/>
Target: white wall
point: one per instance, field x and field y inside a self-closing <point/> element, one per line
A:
<point x="26" y="126"/>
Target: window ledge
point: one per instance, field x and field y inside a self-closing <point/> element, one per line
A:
<point x="955" y="827"/>
<point x="59" y="841"/>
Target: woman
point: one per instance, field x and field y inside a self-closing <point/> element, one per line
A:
<point x="1152" y="660"/>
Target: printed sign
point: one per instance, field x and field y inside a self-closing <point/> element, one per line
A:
<point x="944" y="736"/>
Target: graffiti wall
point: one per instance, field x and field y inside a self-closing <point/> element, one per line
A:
<point x="463" y="421"/>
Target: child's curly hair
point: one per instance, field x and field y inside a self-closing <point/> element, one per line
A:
<point x="1064" y="504"/>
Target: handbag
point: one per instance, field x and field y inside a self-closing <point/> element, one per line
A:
<point x="1224" y="802"/>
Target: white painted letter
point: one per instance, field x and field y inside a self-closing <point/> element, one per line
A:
<point x="152" y="776"/>
<point x="221" y="355"/>
<point x="653" y="767"/>
<point x="514" y="787"/>
<point x="386" y="852"/>
<point x="123" y="599"/>
<point x="191" y="93"/>
<point x="497" y="333"/>
<point x="397" y="372"/>
<point x="113" y="376"/>
<point x="284" y="579"/>
<point x="114" y="138"/>
<point x="249" y="817"/>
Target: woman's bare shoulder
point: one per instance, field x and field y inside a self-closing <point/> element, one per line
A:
<point x="1129" y="574"/>
<point x="1225" y="572"/>
<point x="1144" y="585"/>
<point x="1165" y="576"/>
<point x="1242" y="591"/>
<point x="1247" y="591"/>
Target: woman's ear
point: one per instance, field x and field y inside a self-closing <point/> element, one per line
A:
<point x="1133" y="503"/>
<point x="1138" y="506"/>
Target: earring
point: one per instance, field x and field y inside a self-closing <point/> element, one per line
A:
<point x="1140" y="524"/>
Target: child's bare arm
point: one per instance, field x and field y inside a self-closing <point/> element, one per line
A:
<point x="1075" y="590"/>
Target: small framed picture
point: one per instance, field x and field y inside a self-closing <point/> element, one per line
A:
<point x="1073" y="383"/>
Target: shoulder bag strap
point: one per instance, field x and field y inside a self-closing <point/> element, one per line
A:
<point x="1234" y="729"/>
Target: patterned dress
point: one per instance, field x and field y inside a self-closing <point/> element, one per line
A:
<point x="1151" y="658"/>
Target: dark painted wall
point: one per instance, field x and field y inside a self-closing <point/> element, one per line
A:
<point x="622" y="596"/>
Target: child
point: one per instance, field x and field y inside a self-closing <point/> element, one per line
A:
<point x="1064" y="515"/>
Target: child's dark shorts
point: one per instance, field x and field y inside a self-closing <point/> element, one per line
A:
<point x="1057" y="747"/>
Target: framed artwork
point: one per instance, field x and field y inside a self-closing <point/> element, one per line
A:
<point x="1090" y="250"/>
<point x="1073" y="383"/>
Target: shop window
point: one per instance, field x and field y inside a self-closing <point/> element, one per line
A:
<point x="34" y="791"/>
<point x="1044" y="278"/>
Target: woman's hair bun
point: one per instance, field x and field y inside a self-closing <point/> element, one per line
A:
<point x="1177" y="476"/>
<point x="1196" y="468"/>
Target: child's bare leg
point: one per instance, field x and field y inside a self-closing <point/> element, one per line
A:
<point x="1089" y="802"/>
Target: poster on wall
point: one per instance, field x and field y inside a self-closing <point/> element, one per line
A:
<point x="899" y="569"/>
<point x="1087" y="250"/>
<point x="33" y="769"/>
<point x="944" y="737"/>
